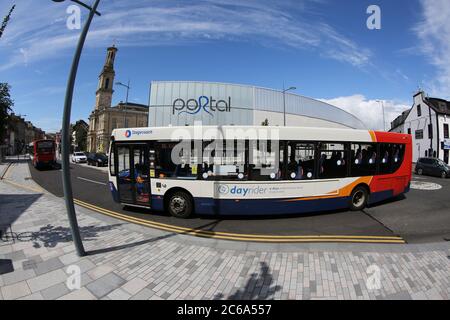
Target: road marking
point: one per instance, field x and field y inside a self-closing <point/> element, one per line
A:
<point x="421" y="185"/>
<point x="93" y="181"/>
<point x="243" y="237"/>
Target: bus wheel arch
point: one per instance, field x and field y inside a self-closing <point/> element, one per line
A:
<point x="179" y="202"/>
<point x="359" y="197"/>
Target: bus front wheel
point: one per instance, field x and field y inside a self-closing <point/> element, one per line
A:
<point x="180" y="205"/>
<point x="358" y="199"/>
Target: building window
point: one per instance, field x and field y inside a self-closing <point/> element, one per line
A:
<point x="114" y="123"/>
<point x="419" y="134"/>
<point x="430" y="131"/>
<point x="107" y="83"/>
<point x="409" y="130"/>
<point x="446" y="136"/>
<point x="419" y="110"/>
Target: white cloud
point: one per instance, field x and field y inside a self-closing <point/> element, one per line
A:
<point x="370" y="111"/>
<point x="434" y="34"/>
<point x="40" y="30"/>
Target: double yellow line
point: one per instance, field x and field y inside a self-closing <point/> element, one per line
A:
<point x="241" y="237"/>
<point x="223" y="235"/>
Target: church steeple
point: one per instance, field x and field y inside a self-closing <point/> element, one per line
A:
<point x="106" y="81"/>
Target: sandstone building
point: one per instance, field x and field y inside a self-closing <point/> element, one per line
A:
<point x="105" y="118"/>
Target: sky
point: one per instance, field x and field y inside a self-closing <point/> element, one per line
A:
<point x="322" y="47"/>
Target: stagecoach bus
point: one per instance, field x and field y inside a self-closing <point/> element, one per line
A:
<point x="231" y="170"/>
<point x="43" y="153"/>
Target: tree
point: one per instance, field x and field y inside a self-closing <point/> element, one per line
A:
<point x="265" y="123"/>
<point x="81" y="139"/>
<point x="6" y="20"/>
<point x="6" y="105"/>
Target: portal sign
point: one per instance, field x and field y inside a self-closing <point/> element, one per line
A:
<point x="203" y="103"/>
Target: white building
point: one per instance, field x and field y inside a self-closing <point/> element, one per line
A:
<point x="180" y="103"/>
<point x="428" y="122"/>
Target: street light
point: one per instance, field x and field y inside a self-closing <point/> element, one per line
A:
<point x="126" y="100"/>
<point x="384" y="118"/>
<point x="65" y="139"/>
<point x="284" y="101"/>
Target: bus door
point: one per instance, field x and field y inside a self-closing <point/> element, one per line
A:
<point x="133" y="179"/>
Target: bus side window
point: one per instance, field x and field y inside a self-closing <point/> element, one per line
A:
<point x="301" y="162"/>
<point x="264" y="159"/>
<point x="397" y="156"/>
<point x="364" y="160"/>
<point x="332" y="160"/>
<point x="385" y="159"/>
<point x="224" y="160"/>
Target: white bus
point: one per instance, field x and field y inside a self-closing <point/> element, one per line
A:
<point x="231" y="170"/>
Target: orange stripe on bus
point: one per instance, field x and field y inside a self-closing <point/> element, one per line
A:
<point x="343" y="192"/>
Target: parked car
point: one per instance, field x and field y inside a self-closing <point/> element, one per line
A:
<point x="79" y="157"/>
<point x="97" y="159"/>
<point x="432" y="167"/>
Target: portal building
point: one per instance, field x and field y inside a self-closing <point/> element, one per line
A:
<point x="180" y="103"/>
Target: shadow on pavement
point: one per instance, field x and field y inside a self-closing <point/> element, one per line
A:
<point x="258" y="287"/>
<point x="6" y="266"/>
<point x="49" y="236"/>
<point x="12" y="206"/>
<point x="208" y="227"/>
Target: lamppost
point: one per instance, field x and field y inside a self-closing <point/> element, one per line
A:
<point x="126" y="101"/>
<point x="65" y="139"/>
<point x="284" y="102"/>
<point x="384" y="118"/>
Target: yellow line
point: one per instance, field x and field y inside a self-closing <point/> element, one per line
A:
<point x="23" y="186"/>
<point x="243" y="237"/>
<point x="235" y="234"/>
<point x="228" y="236"/>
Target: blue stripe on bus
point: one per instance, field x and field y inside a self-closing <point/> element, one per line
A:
<point x="209" y="206"/>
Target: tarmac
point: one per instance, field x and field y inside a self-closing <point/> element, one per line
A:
<point x="127" y="261"/>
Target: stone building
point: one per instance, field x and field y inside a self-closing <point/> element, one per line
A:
<point x="105" y="118"/>
<point x="20" y="133"/>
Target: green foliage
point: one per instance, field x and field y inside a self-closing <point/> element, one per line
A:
<point x="81" y="139"/>
<point x="6" y="105"/>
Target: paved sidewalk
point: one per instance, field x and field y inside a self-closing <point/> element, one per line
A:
<point x="127" y="261"/>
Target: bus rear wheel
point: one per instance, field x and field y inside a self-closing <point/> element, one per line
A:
<point x="358" y="199"/>
<point x="180" y="205"/>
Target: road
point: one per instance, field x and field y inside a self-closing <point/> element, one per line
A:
<point x="421" y="216"/>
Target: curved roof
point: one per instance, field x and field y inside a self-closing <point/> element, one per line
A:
<point x="256" y="98"/>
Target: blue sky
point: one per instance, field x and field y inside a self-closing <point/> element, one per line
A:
<point x="322" y="47"/>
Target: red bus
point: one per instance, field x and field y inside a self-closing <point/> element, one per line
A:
<point x="43" y="153"/>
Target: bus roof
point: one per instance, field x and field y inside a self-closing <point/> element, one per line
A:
<point x="176" y="133"/>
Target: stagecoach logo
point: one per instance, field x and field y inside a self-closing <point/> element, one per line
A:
<point x="129" y="133"/>
<point x="223" y="189"/>
<point x="208" y="105"/>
